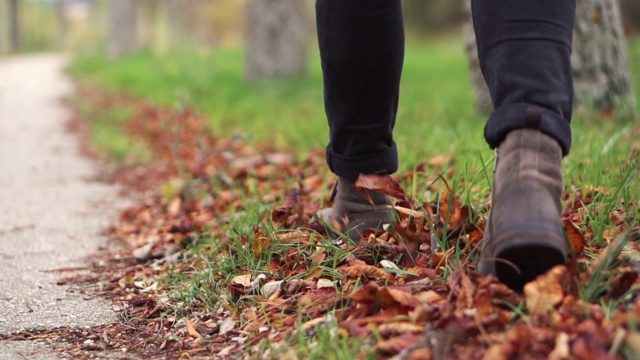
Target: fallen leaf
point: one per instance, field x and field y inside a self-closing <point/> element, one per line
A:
<point x="398" y="328"/>
<point x="620" y="285"/>
<point x="419" y="354"/>
<point x="561" y="350"/>
<point x="143" y="253"/>
<point x="588" y="347"/>
<point x="323" y="283"/>
<point x="430" y="297"/>
<point x="227" y="325"/>
<point x="545" y="292"/>
<point x="476" y="235"/>
<point x="244" y="280"/>
<point x="383" y="184"/>
<point x="260" y="245"/>
<point x="633" y="342"/>
<point x="438" y="161"/>
<point x="270" y="288"/>
<point x="398" y="343"/>
<point x="389" y="265"/>
<point x="367" y="293"/>
<point x="174" y="205"/>
<point x="576" y="238"/>
<point x="358" y="269"/>
<point x="496" y="352"/>
<point x="318" y="300"/>
<point x="191" y="329"/>
<point x="400" y="295"/>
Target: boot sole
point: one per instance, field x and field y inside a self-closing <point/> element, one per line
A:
<point x="525" y="256"/>
<point x="359" y="222"/>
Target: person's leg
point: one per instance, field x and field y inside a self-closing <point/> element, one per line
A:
<point x="361" y="49"/>
<point x="525" y="49"/>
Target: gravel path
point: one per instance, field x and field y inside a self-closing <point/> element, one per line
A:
<point x="51" y="213"/>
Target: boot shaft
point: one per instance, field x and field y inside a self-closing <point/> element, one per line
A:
<point x="528" y="155"/>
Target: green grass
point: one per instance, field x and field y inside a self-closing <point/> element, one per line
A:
<point x="107" y="132"/>
<point x="436" y="113"/>
<point x="436" y="116"/>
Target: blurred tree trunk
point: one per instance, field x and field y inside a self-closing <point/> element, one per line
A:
<point x="170" y="31"/>
<point x="15" y="28"/>
<point x="61" y="19"/>
<point x="599" y="59"/>
<point x="173" y="18"/>
<point x="601" y="73"/>
<point x="4" y="28"/>
<point x="122" y="33"/>
<point x="276" y="38"/>
<point x="147" y="19"/>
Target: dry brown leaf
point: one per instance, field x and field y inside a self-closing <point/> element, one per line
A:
<point x="260" y="245"/>
<point x="467" y="290"/>
<point x="588" y="347"/>
<point x="620" y="285"/>
<point x="295" y="236"/>
<point x="174" y="205"/>
<point x="398" y="343"/>
<point x="358" y="269"/>
<point x="576" y="238"/>
<point x="438" y="161"/>
<point x="291" y="201"/>
<point x="409" y="212"/>
<point x="191" y="329"/>
<point x="324" y="297"/>
<point x="496" y="352"/>
<point x="244" y="280"/>
<point x="318" y="256"/>
<point x="420" y="354"/>
<point x="367" y="294"/>
<point x="430" y="297"/>
<point x="401" y="296"/>
<point x="545" y="292"/>
<point x="633" y="342"/>
<point x="451" y="210"/>
<point x="476" y="235"/>
<point x="398" y="328"/>
<point x="383" y="184"/>
<point x="562" y="350"/>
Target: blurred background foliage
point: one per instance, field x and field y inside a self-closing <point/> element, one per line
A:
<point x="80" y="25"/>
<point x="196" y="53"/>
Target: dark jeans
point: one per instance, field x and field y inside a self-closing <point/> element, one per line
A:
<point x="524" y="48"/>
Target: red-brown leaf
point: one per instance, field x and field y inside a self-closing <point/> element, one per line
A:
<point x="383" y="184"/>
<point x="576" y="239"/>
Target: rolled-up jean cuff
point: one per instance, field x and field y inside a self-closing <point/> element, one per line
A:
<point x="385" y="162"/>
<point x="514" y="117"/>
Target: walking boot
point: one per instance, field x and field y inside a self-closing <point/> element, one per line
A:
<point x="523" y="236"/>
<point x="356" y="211"/>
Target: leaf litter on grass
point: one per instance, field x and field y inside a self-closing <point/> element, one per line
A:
<point x="199" y="280"/>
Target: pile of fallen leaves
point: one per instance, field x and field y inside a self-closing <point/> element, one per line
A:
<point x="411" y="289"/>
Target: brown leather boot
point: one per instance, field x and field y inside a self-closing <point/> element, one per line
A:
<point x="523" y="236"/>
<point x="356" y="211"/>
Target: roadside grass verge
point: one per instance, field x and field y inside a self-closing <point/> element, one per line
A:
<point x="436" y="113"/>
<point x="438" y="133"/>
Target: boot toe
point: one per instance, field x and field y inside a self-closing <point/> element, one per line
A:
<point x="353" y="225"/>
<point x="517" y="265"/>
